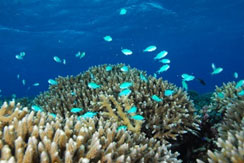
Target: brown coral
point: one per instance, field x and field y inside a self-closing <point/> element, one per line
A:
<point x="38" y="137"/>
<point x="169" y="118"/>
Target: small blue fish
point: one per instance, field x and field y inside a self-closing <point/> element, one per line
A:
<point x="57" y="59"/>
<point x="36" y="108"/>
<point x="156" y="98"/>
<point x="52" y="82"/>
<point x="125" y="92"/>
<point x="239" y="84"/>
<point x="150" y="48"/>
<point x="235" y="75"/>
<point x="163" y="68"/>
<point x="88" y="115"/>
<point x="161" y="55"/>
<point x="64" y="61"/>
<point x="91" y="75"/>
<point x="73" y="93"/>
<point x="137" y="117"/>
<point x="126" y="51"/>
<point x="80" y="55"/>
<point x="23" y="82"/>
<point x="53" y="115"/>
<point x="108" y="68"/>
<point x="133" y="109"/>
<point x="155" y="75"/>
<point x="125" y="85"/>
<point x="93" y="85"/>
<point x="187" y="77"/>
<point x="165" y="61"/>
<point x="36" y="84"/>
<point x="216" y="70"/>
<point x="76" y="110"/>
<point x="220" y="95"/>
<point x="107" y="38"/>
<point x="124" y="69"/>
<point x="122" y="128"/>
<point x="168" y="92"/>
<point x="19" y="57"/>
<point x="123" y="11"/>
<point x="241" y="93"/>
<point x="143" y="78"/>
<point x="184" y="85"/>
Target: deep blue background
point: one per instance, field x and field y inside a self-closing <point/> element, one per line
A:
<point x="194" y="32"/>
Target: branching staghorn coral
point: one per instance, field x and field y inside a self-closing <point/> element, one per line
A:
<point x="226" y="95"/>
<point x="231" y="136"/>
<point x="232" y="148"/>
<point x="121" y="113"/>
<point x="39" y="137"/>
<point x="8" y="113"/>
<point x="171" y="117"/>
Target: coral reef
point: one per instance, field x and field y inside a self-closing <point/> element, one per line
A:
<point x="39" y="137"/>
<point x="121" y="113"/>
<point x="232" y="148"/>
<point x="230" y="140"/>
<point x="168" y="118"/>
<point x="226" y="95"/>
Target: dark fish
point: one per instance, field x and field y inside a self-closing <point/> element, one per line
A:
<point x="201" y="81"/>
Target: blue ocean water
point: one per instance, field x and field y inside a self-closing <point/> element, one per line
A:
<point x="196" y="33"/>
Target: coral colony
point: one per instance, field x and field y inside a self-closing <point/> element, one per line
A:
<point x="115" y="113"/>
